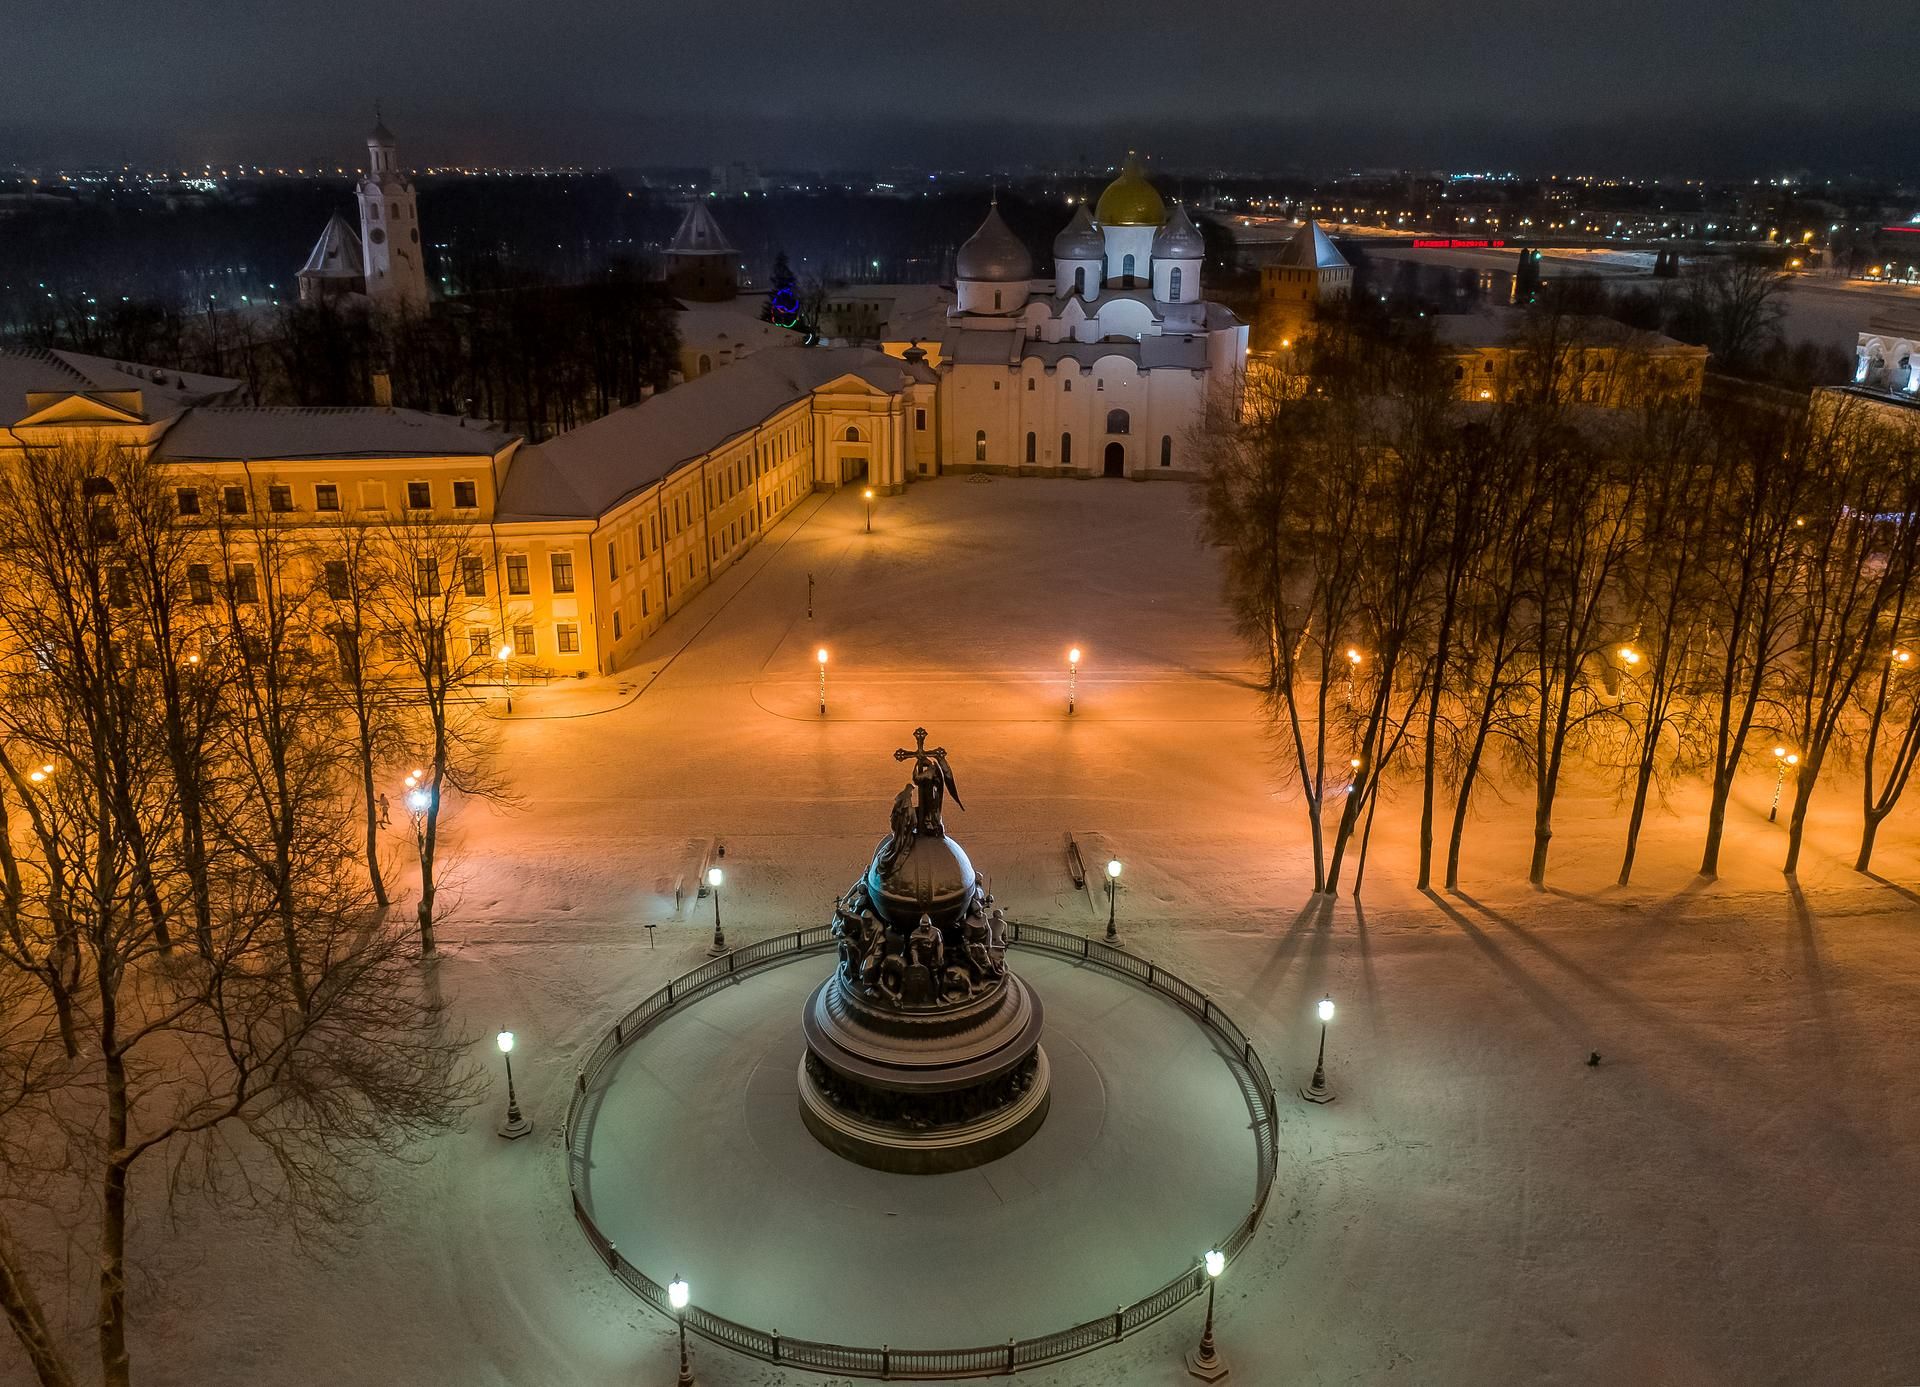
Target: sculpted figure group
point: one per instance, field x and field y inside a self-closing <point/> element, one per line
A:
<point x="926" y="965"/>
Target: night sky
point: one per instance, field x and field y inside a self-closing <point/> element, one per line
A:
<point x="1630" y="86"/>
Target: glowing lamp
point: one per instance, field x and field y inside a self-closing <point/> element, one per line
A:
<point x="1793" y="758"/>
<point x="1629" y="655"/>
<point x="506" y="652"/>
<point x="714" y="876"/>
<point x="1353" y="656"/>
<point x="37" y="777"/>
<point x="506" y="1042"/>
<point x="419" y="800"/>
<point x="821" y="654"/>
<point x="1326" y="1009"/>
<point x="1113" y="867"/>
<point x="1073" y="656"/>
<point x="1216" y="1262"/>
<point x="678" y="1293"/>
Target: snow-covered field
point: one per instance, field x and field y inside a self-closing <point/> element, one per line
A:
<point x="1731" y="1196"/>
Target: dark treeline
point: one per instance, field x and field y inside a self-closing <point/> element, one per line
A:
<point x="1439" y="593"/>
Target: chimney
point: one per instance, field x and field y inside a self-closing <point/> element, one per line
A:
<point x="382" y="390"/>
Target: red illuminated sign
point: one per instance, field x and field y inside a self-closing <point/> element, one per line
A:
<point x="1904" y="230"/>
<point x="1454" y="243"/>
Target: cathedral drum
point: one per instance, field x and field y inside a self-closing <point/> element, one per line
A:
<point x="922" y="1049"/>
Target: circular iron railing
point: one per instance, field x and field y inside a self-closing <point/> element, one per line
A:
<point x="906" y="1363"/>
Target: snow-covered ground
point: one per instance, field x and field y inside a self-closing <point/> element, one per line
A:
<point x="1731" y="1196"/>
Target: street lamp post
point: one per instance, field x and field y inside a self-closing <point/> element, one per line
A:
<point x="1782" y="758"/>
<point x="678" y="1293"/>
<point x="867" y="496"/>
<point x="1113" y="892"/>
<point x="515" y="1126"/>
<point x="821" y="656"/>
<point x="506" y="674"/>
<point x="1205" y="1362"/>
<point x="719" y="946"/>
<point x="1073" y="669"/>
<point x="1317" y="1091"/>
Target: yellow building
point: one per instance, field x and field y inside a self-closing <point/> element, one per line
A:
<point x="1503" y="354"/>
<point x="583" y="545"/>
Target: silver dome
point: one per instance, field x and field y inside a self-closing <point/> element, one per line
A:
<point x="1079" y="239"/>
<point x="993" y="254"/>
<point x="1179" y="239"/>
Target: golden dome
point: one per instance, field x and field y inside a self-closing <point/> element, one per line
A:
<point x="1130" y="200"/>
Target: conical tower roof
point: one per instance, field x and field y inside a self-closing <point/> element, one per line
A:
<point x="699" y="233"/>
<point x="1311" y="249"/>
<point x="337" y="252"/>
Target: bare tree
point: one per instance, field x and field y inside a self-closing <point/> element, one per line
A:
<point x="1674" y="452"/>
<point x="356" y="577"/>
<point x="438" y="627"/>
<point x="1861" y="539"/>
<point x="1753" y="547"/>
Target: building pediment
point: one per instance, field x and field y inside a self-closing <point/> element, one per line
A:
<point x="105" y="407"/>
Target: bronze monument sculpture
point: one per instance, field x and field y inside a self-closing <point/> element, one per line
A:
<point x="923" y="1049"/>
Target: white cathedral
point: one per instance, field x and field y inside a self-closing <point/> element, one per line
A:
<point x="385" y="261"/>
<point x="1106" y="369"/>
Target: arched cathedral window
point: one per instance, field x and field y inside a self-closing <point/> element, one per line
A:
<point x="1126" y="269"/>
<point x="1173" y="284"/>
<point x="1032" y="444"/>
<point x="980" y="445"/>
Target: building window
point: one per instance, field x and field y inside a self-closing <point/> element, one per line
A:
<point x="1100" y="383"/>
<point x="1173" y="284"/>
<point x="326" y="497"/>
<point x="119" y="587"/>
<point x="613" y="562"/>
<point x="1032" y="443"/>
<point x="616" y="625"/>
<point x="920" y="420"/>
<point x="1066" y="386"/>
<point x="466" y="496"/>
<point x="473" y="575"/>
<point x="480" y="642"/>
<point x="280" y="499"/>
<point x="1166" y="450"/>
<point x="233" y="500"/>
<point x="199" y="585"/>
<point x="567" y="638"/>
<point x="1126" y="269"/>
<point x="523" y="642"/>
<point x="1066" y="450"/>
<point x="853" y="434"/>
<point x="562" y="572"/>
<point x="426" y="578"/>
<point x="996" y="298"/>
<point x="1030" y="385"/>
<point x="1117" y="421"/>
<point x="187" y="501"/>
<point x="643" y="601"/>
<point x="980" y="445"/>
<point x="336" y="578"/>
<point x="517" y="574"/>
<point x="244" y="588"/>
<point x="1080" y="280"/>
<point x="419" y="496"/>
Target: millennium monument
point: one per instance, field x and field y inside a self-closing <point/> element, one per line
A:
<point x="923" y="1050"/>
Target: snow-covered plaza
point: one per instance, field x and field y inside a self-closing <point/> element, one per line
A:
<point x="1732" y="1195"/>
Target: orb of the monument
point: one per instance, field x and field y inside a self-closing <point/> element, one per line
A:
<point x="923" y="1049"/>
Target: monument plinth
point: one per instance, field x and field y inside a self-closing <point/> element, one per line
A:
<point x="923" y="1049"/>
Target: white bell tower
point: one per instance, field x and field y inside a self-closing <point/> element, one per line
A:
<point x="390" y="227"/>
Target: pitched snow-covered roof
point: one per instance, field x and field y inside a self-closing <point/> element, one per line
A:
<point x="586" y="472"/>
<point x="337" y="254"/>
<point x="1310" y="249"/>
<point x="287" y="434"/>
<point x="149" y="392"/>
<point x="699" y="234"/>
